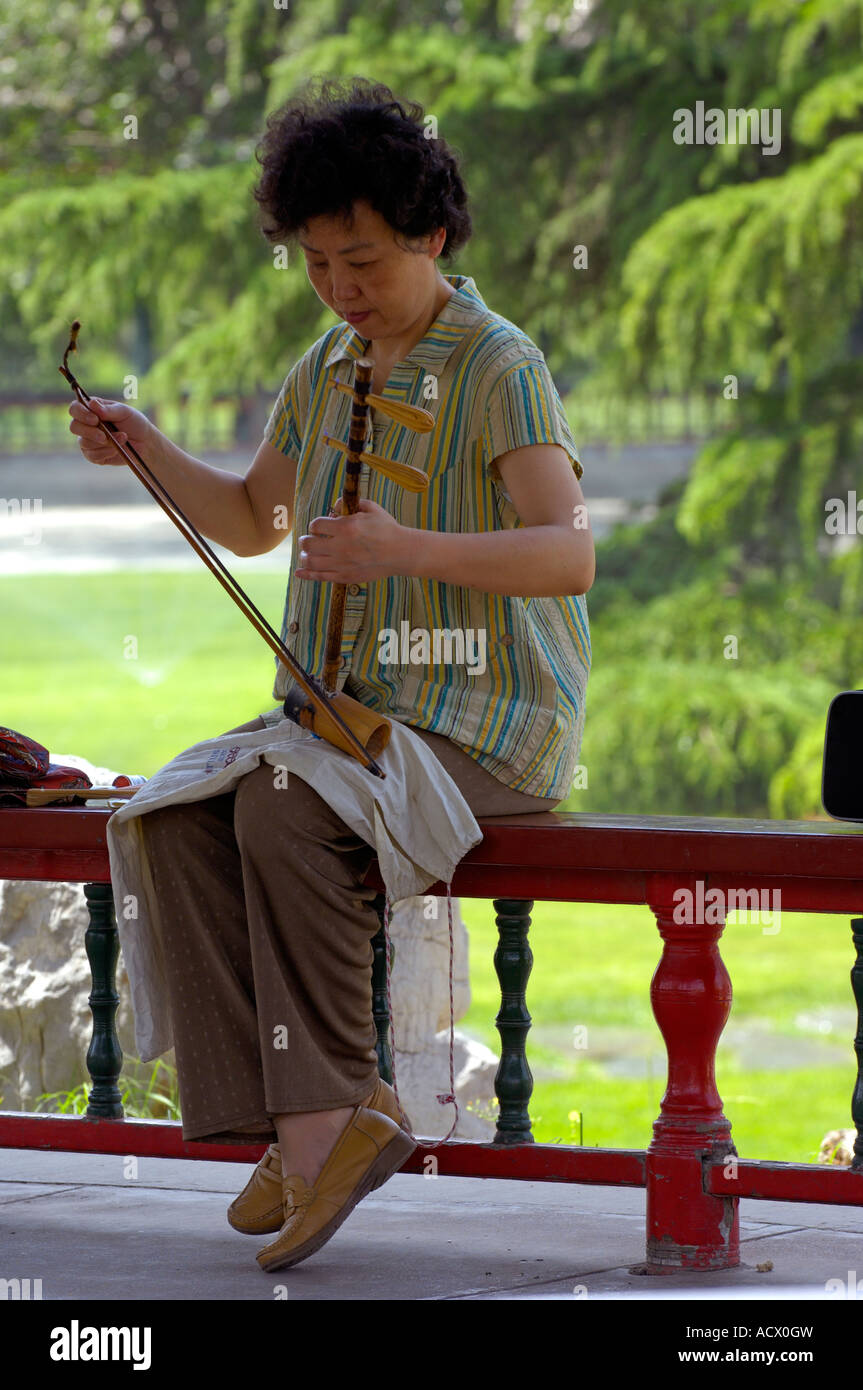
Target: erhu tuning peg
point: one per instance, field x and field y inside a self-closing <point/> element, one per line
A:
<point x="402" y="473"/>
<point x="411" y="415"/>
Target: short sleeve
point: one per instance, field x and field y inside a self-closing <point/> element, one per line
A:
<point x="282" y="429"/>
<point x="524" y="408"/>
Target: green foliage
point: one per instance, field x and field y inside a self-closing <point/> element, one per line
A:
<point x="675" y="737"/>
<point x="730" y="474"/>
<point x="146" y="1092"/>
<point x="711" y="676"/>
<point x="796" y="787"/>
<point x="837" y="98"/>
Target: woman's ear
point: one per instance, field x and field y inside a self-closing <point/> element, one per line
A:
<point x="436" y="242"/>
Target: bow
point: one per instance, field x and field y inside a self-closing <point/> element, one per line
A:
<point x="334" y="717"/>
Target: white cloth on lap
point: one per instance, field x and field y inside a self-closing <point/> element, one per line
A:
<point x="416" y="818"/>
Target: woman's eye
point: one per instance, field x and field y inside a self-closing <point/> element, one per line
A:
<point x="360" y="265"/>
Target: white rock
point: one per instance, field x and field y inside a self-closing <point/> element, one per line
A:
<point x="837" y="1148"/>
<point x="45" y="1020"/>
<point x="423" y="1076"/>
<point x="419" y="932"/>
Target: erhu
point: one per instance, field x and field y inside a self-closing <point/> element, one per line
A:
<point x="356" y="455"/>
<point x="332" y="716"/>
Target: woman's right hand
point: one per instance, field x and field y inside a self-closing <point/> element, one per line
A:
<point x="133" y="428"/>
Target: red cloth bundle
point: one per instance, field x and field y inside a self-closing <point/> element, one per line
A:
<point x="24" y="763"/>
<point x="22" y="759"/>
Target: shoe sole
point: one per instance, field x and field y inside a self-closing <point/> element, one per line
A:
<point x="389" y="1160"/>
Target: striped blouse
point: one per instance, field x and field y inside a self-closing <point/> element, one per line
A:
<point x="502" y="677"/>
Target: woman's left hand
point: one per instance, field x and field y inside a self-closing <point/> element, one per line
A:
<point x="352" y="549"/>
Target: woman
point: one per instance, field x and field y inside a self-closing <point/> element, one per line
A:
<point x="266" y="925"/>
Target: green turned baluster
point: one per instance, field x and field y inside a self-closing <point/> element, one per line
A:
<point x="513" y="961"/>
<point x="857" y="986"/>
<point x="104" y="1056"/>
<point x="380" y="1012"/>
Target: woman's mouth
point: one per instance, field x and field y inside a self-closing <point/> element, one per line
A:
<point x="357" y="318"/>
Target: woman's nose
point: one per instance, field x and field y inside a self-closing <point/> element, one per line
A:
<point x="344" y="287"/>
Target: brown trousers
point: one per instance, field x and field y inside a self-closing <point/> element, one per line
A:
<point x="267" y="933"/>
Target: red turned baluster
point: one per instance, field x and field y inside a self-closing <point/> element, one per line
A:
<point x="691" y="997"/>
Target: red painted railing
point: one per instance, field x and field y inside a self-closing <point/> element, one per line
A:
<point x="693" y="1176"/>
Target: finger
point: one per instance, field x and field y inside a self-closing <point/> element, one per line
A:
<point x="98" y="452"/>
<point x="109" y="410"/>
<point x="314" y="565"/>
<point x="92" y="436"/>
<point x="82" y="413"/>
<point x="326" y="577"/>
<point x="88" y="439"/>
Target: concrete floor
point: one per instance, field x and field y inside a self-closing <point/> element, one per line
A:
<point x="89" y="1229"/>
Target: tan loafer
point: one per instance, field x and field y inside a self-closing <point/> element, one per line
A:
<point x="369" y="1150"/>
<point x="259" y="1208"/>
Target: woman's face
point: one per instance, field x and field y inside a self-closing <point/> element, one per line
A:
<point x="360" y="272"/>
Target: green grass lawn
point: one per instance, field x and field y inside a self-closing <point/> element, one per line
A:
<point x="786" y="1062"/>
<point x="69" y="681"/>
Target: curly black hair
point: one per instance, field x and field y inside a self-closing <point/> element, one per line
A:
<point x="338" y="142"/>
